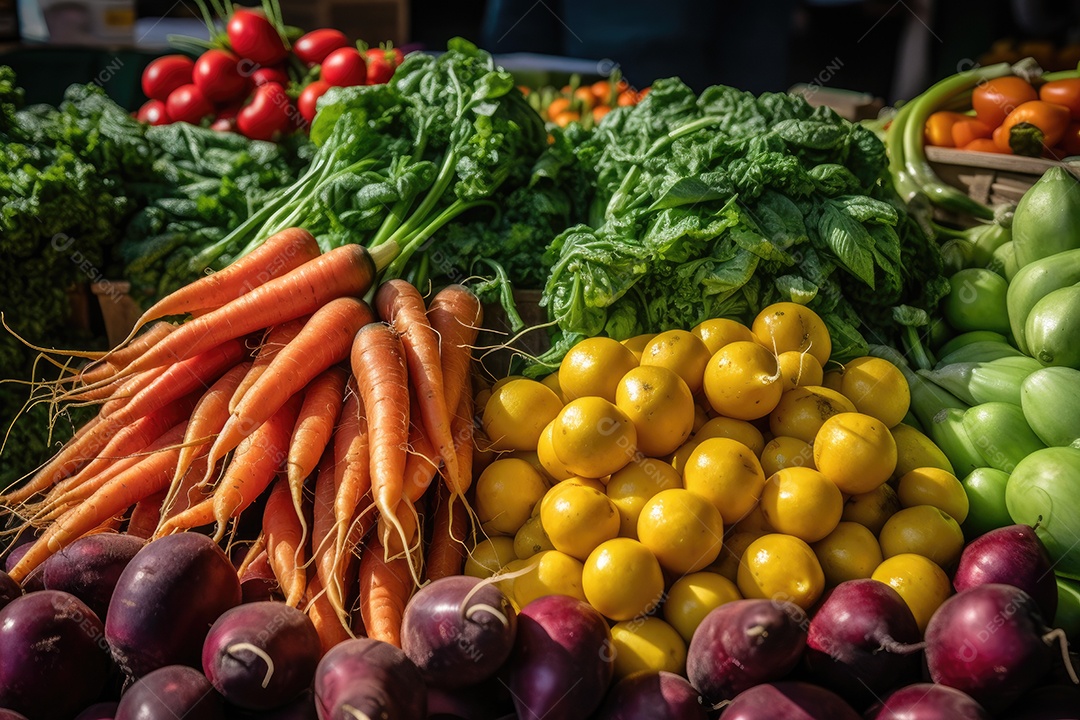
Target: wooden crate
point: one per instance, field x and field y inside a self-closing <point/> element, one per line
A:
<point x="990" y="178"/>
<point x="373" y="21"/>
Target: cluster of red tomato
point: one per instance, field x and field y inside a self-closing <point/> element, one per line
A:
<point x="255" y="84"/>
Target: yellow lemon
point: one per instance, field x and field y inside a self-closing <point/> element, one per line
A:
<point x="915" y="450"/>
<point x="787" y="326"/>
<point x="489" y="555"/>
<point x="872" y="509"/>
<point x="739" y="430"/>
<point x="660" y="405"/>
<point x="552" y="381"/>
<point x="743" y="381"/>
<point x="920" y="581"/>
<point x="849" y="552"/>
<point x="682" y="529"/>
<point x="718" y="332"/>
<point x="924" y="530"/>
<point x="622" y="579"/>
<point x="593" y="367"/>
<point x="647" y="645"/>
<point x="799" y="369"/>
<point x="728" y="474"/>
<point x="681" y="352"/>
<point x="630" y="488"/>
<point x="878" y="389"/>
<point x="934" y="486"/>
<point x="516" y="413"/>
<point x="803" y="410"/>
<point x="735" y="544"/>
<point x="781" y="567"/>
<point x="637" y="343"/>
<point x="506" y="492"/>
<point x="552" y="573"/>
<point x="578" y="518"/>
<point x="694" y="596"/>
<point x="531" y="539"/>
<point x="785" y="452"/>
<point x="855" y="451"/>
<point x="801" y="502"/>
<point x="593" y="437"/>
<point x="545" y="455"/>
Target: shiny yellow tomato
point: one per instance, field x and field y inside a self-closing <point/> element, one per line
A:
<point x="878" y="389"/>
<point x="735" y="544"/>
<point x="558" y="487"/>
<point x="785" y="452"/>
<point x="647" y="645"/>
<point x="593" y="437"/>
<point x="872" y="509"/>
<point x="516" y="413"/>
<point x="915" y="450"/>
<point x="488" y="556"/>
<point x="924" y="530"/>
<point x="552" y="381"/>
<point x="801" y="502"/>
<point x="781" y="567"/>
<point x="849" y="552"/>
<point x="578" y="518"/>
<point x="681" y="352"/>
<point x="593" y="367"/>
<point x="787" y="326"/>
<point x="694" y="596"/>
<point x="718" y="332"/>
<point x="803" y="410"/>
<point x="660" y="405"/>
<point x="934" y="486"/>
<point x="531" y="538"/>
<point x="506" y="492"/>
<point x="855" y="451"/>
<point x="637" y="343"/>
<point x="743" y="381"/>
<point x="682" y="529"/>
<point x="622" y="579"/>
<point x="799" y="369"/>
<point x="630" y="488"/>
<point x="921" y="582"/>
<point x="728" y="474"/>
<point x="739" y="430"/>
<point x="545" y="455"/>
<point x="552" y="573"/>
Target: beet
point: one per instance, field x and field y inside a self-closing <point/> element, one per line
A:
<point x="53" y="660"/>
<point x="370" y="677"/>
<point x="743" y="643"/>
<point x="789" y="700"/>
<point x="165" y="601"/>
<point x="173" y="691"/>
<point x="927" y="701"/>
<point x="258" y="583"/>
<point x="9" y="589"/>
<point x="653" y="696"/>
<point x="99" y="711"/>
<point x="1012" y="555"/>
<point x="89" y="567"/>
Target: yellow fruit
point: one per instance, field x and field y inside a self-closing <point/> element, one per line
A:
<point x="739" y="430"/>
<point x="754" y="521"/>
<point x="916" y="450"/>
<point x="637" y="343"/>
<point x="924" y="530"/>
<point x="855" y="451"/>
<point x="728" y="474"/>
<point x="781" y="567"/>
<point x="660" y="405"/>
<point x="849" y="552"/>
<point x="718" y="332"/>
<point x="801" y="502"/>
<point x="545" y="454"/>
<point x="578" y="518"/>
<point x="647" y="644"/>
<point x="505" y="494"/>
<point x="799" y="369"/>
<point x="510" y="577"/>
<point x="922" y="584"/>
<point x="878" y="389"/>
<point x="558" y="487"/>
<point x="678" y="459"/>
<point x="630" y="488"/>
<point x="682" y="529"/>
<point x="593" y="437"/>
<point x="784" y="452"/>
<point x="833" y="379"/>
<point x="872" y="509"/>
<point x="516" y="413"/>
<point x="488" y="556"/>
<point x="531" y="539"/>
<point x="701" y="416"/>
<point x="934" y="486"/>
<point x="622" y="579"/>
<point x="787" y="326"/>
<point x="803" y="410"/>
<point x="555" y="573"/>
<point x="552" y="381"/>
<point x="681" y="352"/>
<point x="694" y="596"/>
<point x="593" y="367"/>
<point x="743" y="381"/>
<point x="731" y="554"/>
<point x="529" y="456"/>
<point x="503" y="380"/>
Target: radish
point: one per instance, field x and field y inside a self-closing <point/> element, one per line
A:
<point x="261" y="655"/>
<point x="364" y="679"/>
<point x="927" y="701"/>
<point x="652" y="695"/>
<point x="862" y="641"/>
<point x="563" y="659"/>
<point x="9" y="589"/>
<point x="990" y="642"/>
<point x="89" y="567"/>
<point x="1012" y="555"/>
<point x="743" y="643"/>
<point x="788" y="700"/>
<point x="458" y="631"/>
<point x="173" y="691"/>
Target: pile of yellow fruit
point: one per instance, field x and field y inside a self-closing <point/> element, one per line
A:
<point x="659" y="477"/>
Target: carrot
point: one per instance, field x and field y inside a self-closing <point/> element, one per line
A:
<point x="323" y="616"/>
<point x="446" y="553"/>
<point x="145" y="516"/>
<point x="352" y="481"/>
<point x="401" y="304"/>
<point x="285" y="542"/>
<point x="378" y="363"/>
<point x="189" y="492"/>
<point x="385" y="588"/>
<point x="194" y="516"/>
<point x="456" y="314"/>
<point x="324" y="341"/>
<point x="125" y="391"/>
<point x="274" y="339"/>
<point x="118" y="358"/>
<point x="118" y="494"/>
<point x="420" y="466"/>
<point x="253" y="465"/>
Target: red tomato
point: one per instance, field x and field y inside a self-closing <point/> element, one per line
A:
<point x="225" y="120"/>
<point x="344" y="67"/>
<point x="275" y="74"/>
<point x="188" y="104"/>
<point x="217" y="73"/>
<point x="380" y="65"/>
<point x="269" y="115"/>
<point x="252" y="36"/>
<point x="313" y="47"/>
<point x="310" y="96"/>
<point x="165" y="74"/>
<point x="153" y="113"/>
<point x="1063" y="92"/>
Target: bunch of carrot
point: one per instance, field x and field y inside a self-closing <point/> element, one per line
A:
<point x="283" y="393"/>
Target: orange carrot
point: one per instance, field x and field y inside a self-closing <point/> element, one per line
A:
<point x="121" y="492"/>
<point x="189" y="492"/>
<point x="456" y="314"/>
<point x="323" y="615"/>
<point x="401" y="304"/>
<point x="325" y="341"/>
<point x="421" y="465"/>
<point x="284" y="542"/>
<point x="254" y="464"/>
<point x="195" y="516"/>
<point x="385" y="588"/>
<point x="128" y="389"/>
<point x="352" y="482"/>
<point x="275" y="338"/>
<point x="119" y="358"/>
<point x="446" y="553"/>
<point x="463" y="427"/>
<point x="145" y="515"/>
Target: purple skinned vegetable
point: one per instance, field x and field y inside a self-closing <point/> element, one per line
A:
<point x="928" y="701"/>
<point x="790" y="700"/>
<point x="89" y="567"/>
<point x="1012" y="555"/>
<point x="652" y="695"/>
<point x="173" y="691"/>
